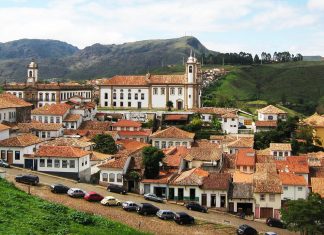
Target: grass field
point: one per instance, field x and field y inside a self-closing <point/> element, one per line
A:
<point x="299" y="84"/>
<point x="22" y="214"/>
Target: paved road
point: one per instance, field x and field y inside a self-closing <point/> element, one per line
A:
<point x="211" y="216"/>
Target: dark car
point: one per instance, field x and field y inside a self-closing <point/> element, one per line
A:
<point x="93" y="197"/>
<point x="272" y="222"/>
<point x="152" y="197"/>
<point x="3" y="163"/>
<point x="147" y="209"/>
<point x="245" y="229"/>
<point x="59" y="188"/>
<point x="196" y="207"/>
<point x="183" y="218"/>
<point x="116" y="189"/>
<point x="27" y="179"/>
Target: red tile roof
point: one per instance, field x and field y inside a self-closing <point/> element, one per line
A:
<point x="126" y="123"/>
<point x="292" y="179"/>
<point x="163" y="178"/>
<point x="270" y="109"/>
<point x="266" y="123"/>
<point x="134" y="133"/>
<point x="173" y="133"/>
<point x="131" y="145"/>
<point x="192" y="177"/>
<point x="318" y="186"/>
<point x="72" y="118"/>
<point x="95" y="125"/>
<point x="176" y="117"/>
<point x="60" y="151"/>
<point x="53" y="109"/>
<point x="10" y="101"/>
<point x="121" y="80"/>
<point x="245" y="157"/>
<point x="118" y="163"/>
<point x="39" y="126"/>
<point x="20" y="141"/>
<point x="4" y="127"/>
<point x="216" y="181"/>
<point x="174" y="155"/>
<point x="293" y="164"/>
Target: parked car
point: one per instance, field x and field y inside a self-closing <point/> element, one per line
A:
<point x="152" y="197"/>
<point x="196" y="207"/>
<point x="27" y="179"/>
<point x="59" y="188"/>
<point x="93" y="197"/>
<point x="129" y="206"/>
<point x="76" y="192"/>
<point x="116" y="189"/>
<point x="110" y="201"/>
<point x="245" y="229"/>
<point x="165" y="214"/>
<point x="272" y="222"/>
<point x="147" y="209"/>
<point x="183" y="218"/>
<point x="4" y="164"/>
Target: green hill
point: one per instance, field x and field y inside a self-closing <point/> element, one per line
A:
<point x="60" y="60"/>
<point x="296" y="85"/>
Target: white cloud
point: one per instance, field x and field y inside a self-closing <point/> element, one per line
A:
<point x="316" y="4"/>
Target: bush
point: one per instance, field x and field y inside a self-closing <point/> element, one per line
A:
<point x="81" y="218"/>
<point x="54" y="208"/>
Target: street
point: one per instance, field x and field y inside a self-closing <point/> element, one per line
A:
<point x="206" y="224"/>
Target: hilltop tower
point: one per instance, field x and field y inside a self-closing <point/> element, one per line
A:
<point x="32" y="73"/>
<point x="193" y="74"/>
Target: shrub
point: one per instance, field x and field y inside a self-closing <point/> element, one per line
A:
<point x="82" y="218"/>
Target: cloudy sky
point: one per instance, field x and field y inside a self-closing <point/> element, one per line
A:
<point x="225" y="25"/>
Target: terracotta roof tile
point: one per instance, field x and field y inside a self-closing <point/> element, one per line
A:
<point x="167" y="79"/>
<point x="270" y="109"/>
<point x="118" y="163"/>
<point x="72" y="118"/>
<point x="315" y="120"/>
<point x="38" y="126"/>
<point x="60" y="151"/>
<point x="4" y="127"/>
<point x="215" y="110"/>
<point x="53" y="109"/>
<point x="204" y="154"/>
<point x="10" y="101"/>
<point x="266" y="179"/>
<point x="121" y="80"/>
<point x="292" y="179"/>
<point x="163" y="178"/>
<point x="174" y="155"/>
<point x="95" y="125"/>
<point x="134" y="133"/>
<point x="193" y="177"/>
<point x="126" y="123"/>
<point x="20" y="141"/>
<point x="131" y="145"/>
<point x="242" y="142"/>
<point x="293" y="164"/>
<point x="72" y="142"/>
<point x="266" y="123"/>
<point x="173" y="133"/>
<point x="176" y="117"/>
<point x="245" y="157"/>
<point x="96" y="156"/>
<point x="280" y="146"/>
<point x="240" y="177"/>
<point x="218" y="181"/>
<point x="318" y="186"/>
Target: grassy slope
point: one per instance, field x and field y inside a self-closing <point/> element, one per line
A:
<point x="300" y="82"/>
<point x="22" y="214"/>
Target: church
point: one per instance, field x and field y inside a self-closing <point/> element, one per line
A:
<point x="40" y="94"/>
<point x="153" y="91"/>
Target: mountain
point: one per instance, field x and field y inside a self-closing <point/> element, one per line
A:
<point x="58" y="59"/>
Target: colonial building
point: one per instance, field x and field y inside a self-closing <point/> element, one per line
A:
<point x="40" y="94"/>
<point x="154" y="91"/>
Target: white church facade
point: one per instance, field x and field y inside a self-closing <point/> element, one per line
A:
<point x="154" y="91"/>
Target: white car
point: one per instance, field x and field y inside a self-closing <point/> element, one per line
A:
<point x="76" y="192"/>
<point x="110" y="201"/>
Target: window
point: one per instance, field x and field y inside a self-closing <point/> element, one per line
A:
<point x="190" y="69"/>
<point x="172" y="91"/>
<point x="244" y="168"/>
<point x="139" y="91"/>
<point x="121" y="104"/>
<point x="272" y="197"/>
<point x="280" y="154"/>
<point x="104" y="177"/>
<point x="300" y="188"/>
<point x="225" y="119"/>
<point x="53" y="97"/>
<point x="46" y="97"/>
<point x="157" y="144"/>
<point x="114" y="104"/>
<point x="136" y="96"/>
<point x="162" y="91"/>
<point x="57" y="163"/>
<point x="142" y="96"/>
<point x="43" y="134"/>
<point x="129" y="104"/>
<point x="114" y="95"/>
<point x="163" y="144"/>
<point x="72" y="163"/>
<point x="179" y="91"/>
<point x="177" y="144"/>
<point x="119" y="178"/>
<point x="111" y="177"/>
<point x="155" y="91"/>
<point x="233" y="119"/>
<point x="46" y="119"/>
<point x="286" y="153"/>
<point x="262" y="197"/>
<point x="270" y="117"/>
<point x="285" y="187"/>
<point x="41" y="96"/>
<point x="121" y="96"/>
<point x="184" y="143"/>
<point x="275" y="153"/>
<point x="17" y="155"/>
<point x="3" y="154"/>
<point x="40" y="119"/>
<point x="49" y="163"/>
<point x="52" y="119"/>
<point x="42" y="162"/>
<point x="57" y="120"/>
<point x="106" y="103"/>
<point x="170" y="144"/>
<point x="64" y="163"/>
<point x="129" y="96"/>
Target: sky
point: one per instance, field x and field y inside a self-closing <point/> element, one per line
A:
<point x="222" y="25"/>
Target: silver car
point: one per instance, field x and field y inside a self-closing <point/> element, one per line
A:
<point x="153" y="197"/>
<point x="76" y="192"/>
<point x="129" y="206"/>
<point x="165" y="214"/>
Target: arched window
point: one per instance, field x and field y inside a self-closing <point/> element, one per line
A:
<point x="30" y="73"/>
<point x="119" y="178"/>
<point x="111" y="177"/>
<point x="41" y="96"/>
<point x="190" y="69"/>
<point x="46" y="97"/>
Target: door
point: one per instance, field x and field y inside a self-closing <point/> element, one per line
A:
<point x="180" y="194"/>
<point x="192" y="194"/>
<point x="179" y="105"/>
<point x="231" y="207"/>
<point x="139" y="105"/>
<point x="10" y="157"/>
<point x="29" y="163"/>
<point x="223" y="201"/>
<point x="266" y="212"/>
<point x="146" y="188"/>
<point x="131" y="185"/>
<point x="35" y="165"/>
<point x="204" y="199"/>
<point x="171" y="193"/>
<point x="213" y="200"/>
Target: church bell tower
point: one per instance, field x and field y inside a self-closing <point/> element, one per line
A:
<point x="32" y="73"/>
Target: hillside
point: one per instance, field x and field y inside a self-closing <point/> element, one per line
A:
<point x="298" y="85"/>
<point x="21" y="213"/>
<point x="61" y="60"/>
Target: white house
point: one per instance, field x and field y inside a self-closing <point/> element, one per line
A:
<point x="54" y="113"/>
<point x="280" y="150"/>
<point x="153" y="91"/>
<point x="16" y="149"/>
<point x="172" y="136"/>
<point x="128" y="129"/>
<point x="44" y="131"/>
<point x="72" y="121"/>
<point x="65" y="161"/>
<point x="294" y="186"/>
<point x="4" y="132"/>
<point x="294" y="164"/>
<point x="271" y="113"/>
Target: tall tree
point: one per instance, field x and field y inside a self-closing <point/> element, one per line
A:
<point x="256" y="59"/>
<point x="151" y="160"/>
<point x="105" y="144"/>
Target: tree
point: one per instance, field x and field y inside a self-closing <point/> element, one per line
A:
<point x="195" y="124"/>
<point x="216" y="124"/>
<point x="105" y="144"/>
<point x="305" y="216"/>
<point x="256" y="59"/>
<point x="151" y="160"/>
<point x="169" y="104"/>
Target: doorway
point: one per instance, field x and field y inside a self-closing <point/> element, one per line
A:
<point x="222" y="201"/>
<point x="179" y="105"/>
<point x="192" y="194"/>
<point x="180" y="194"/>
<point x="204" y="199"/>
<point x="139" y="105"/>
<point x="213" y="200"/>
<point x="10" y="157"/>
<point x="171" y="193"/>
